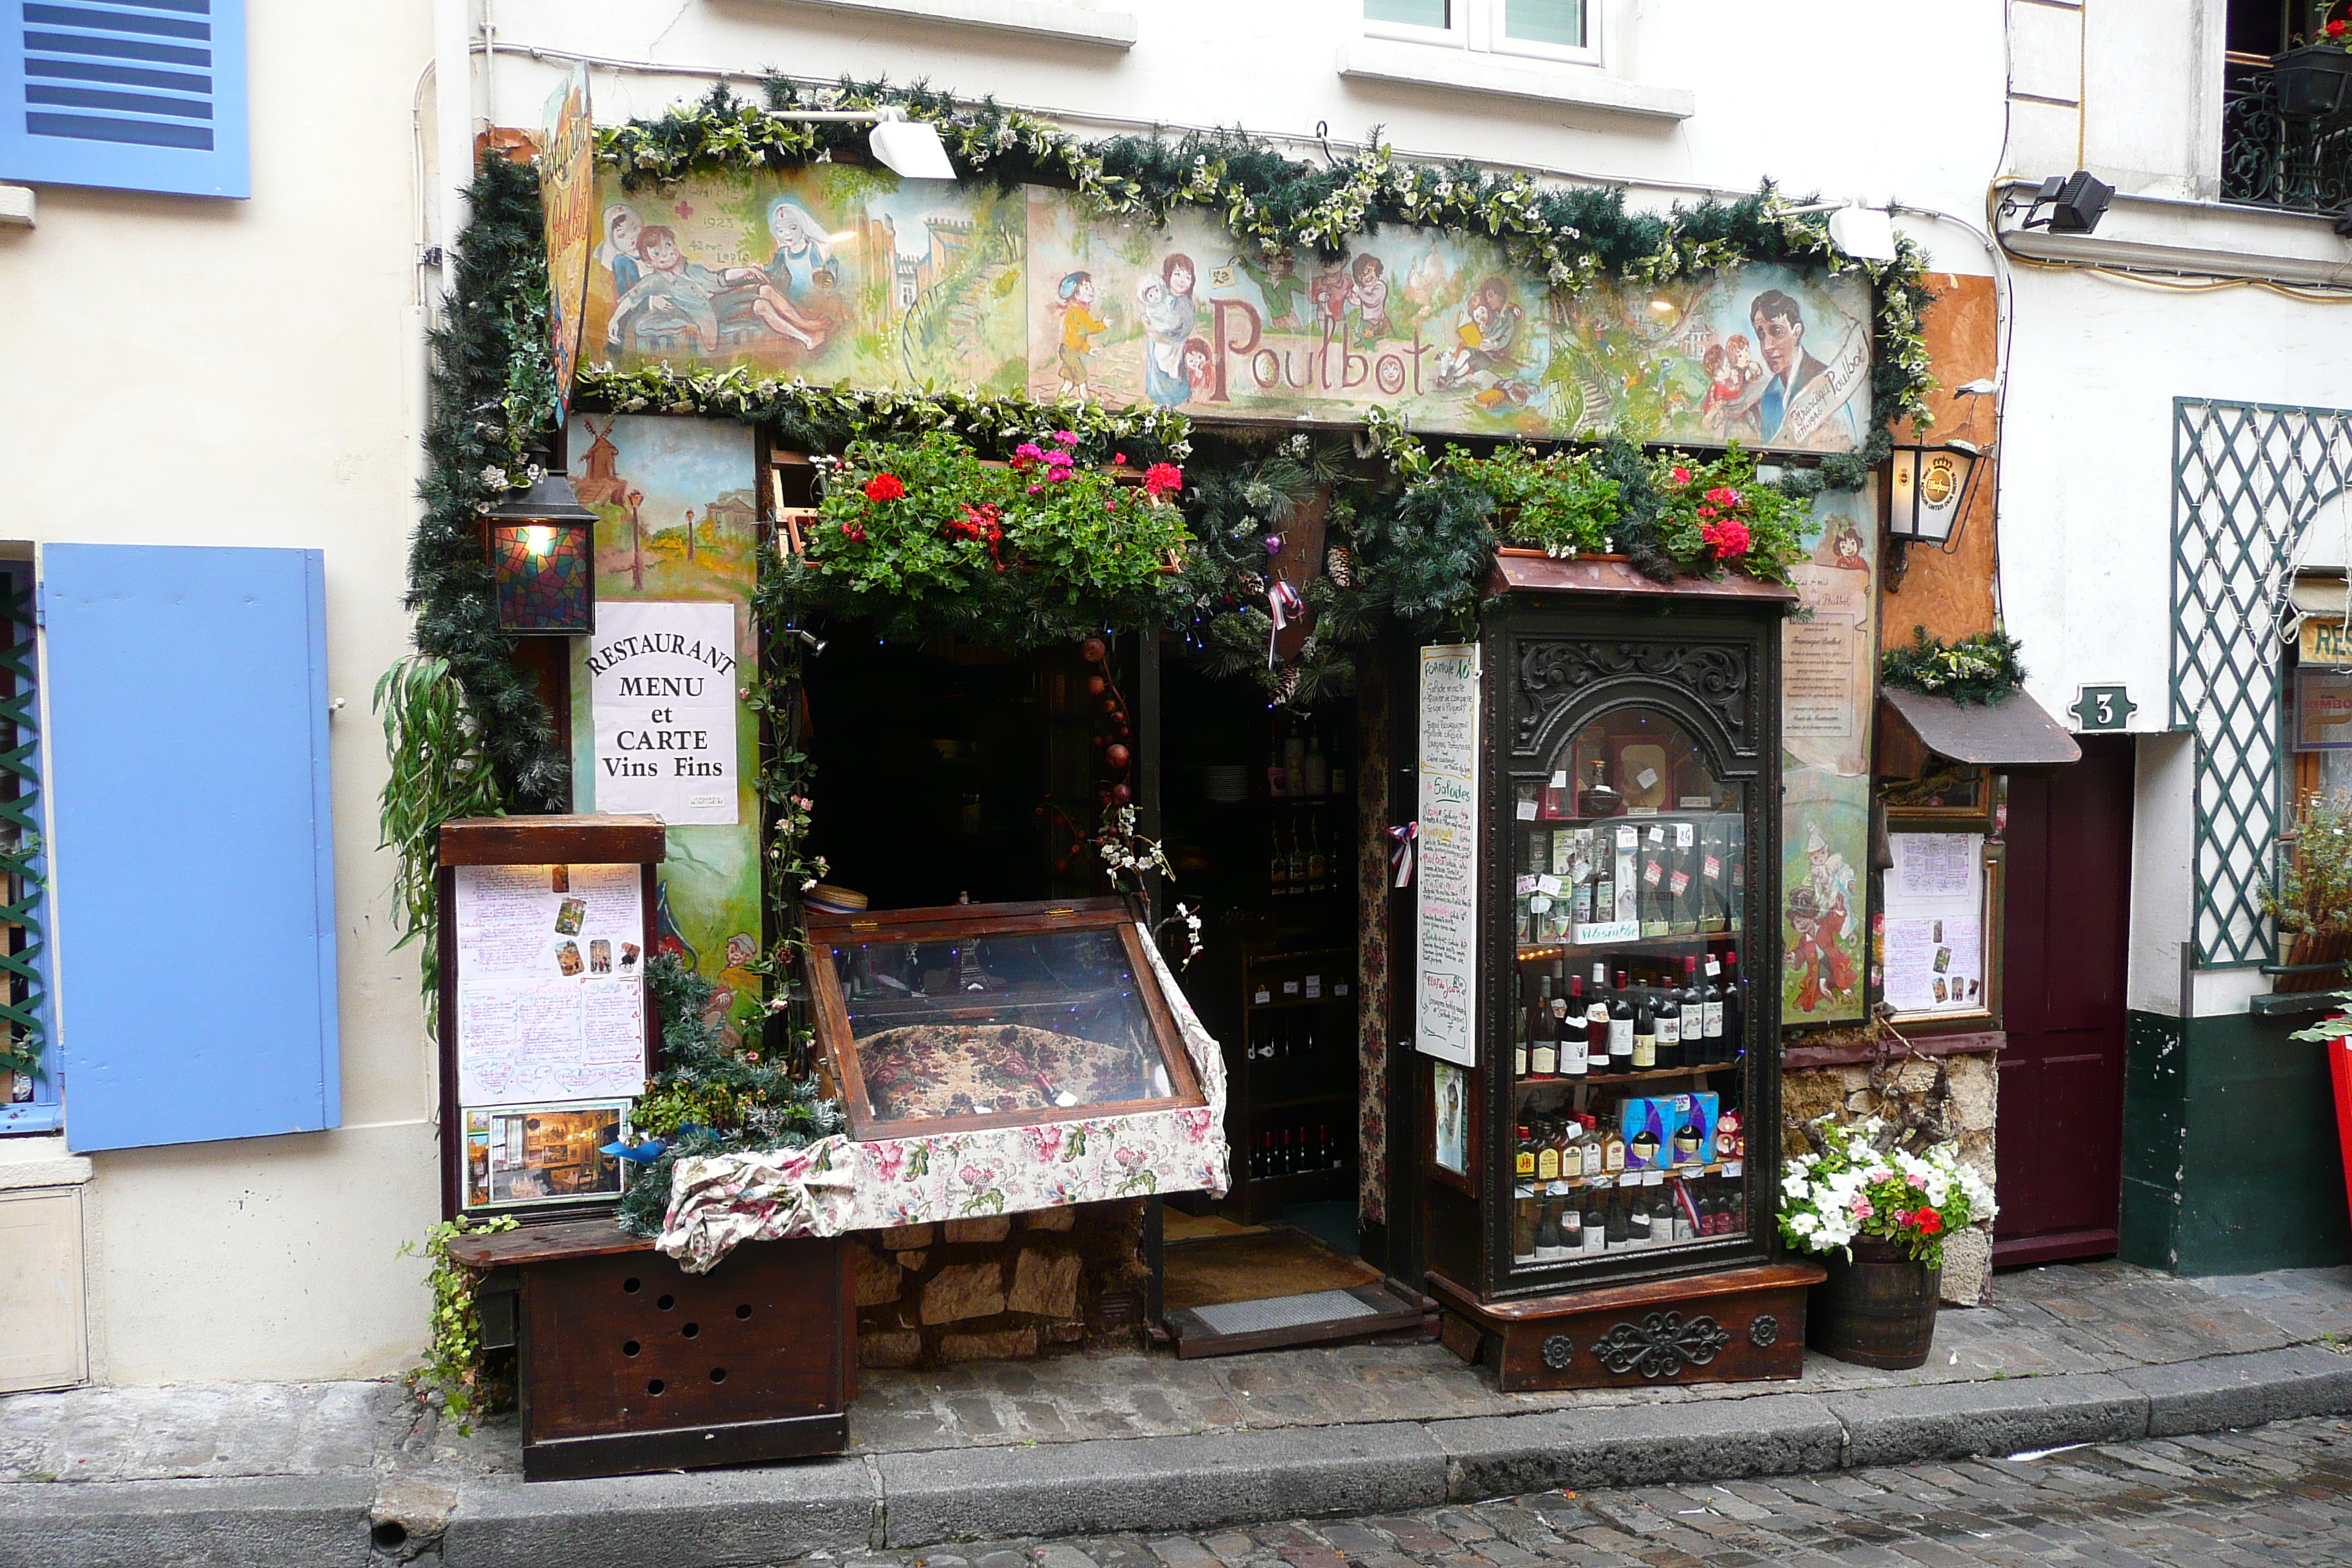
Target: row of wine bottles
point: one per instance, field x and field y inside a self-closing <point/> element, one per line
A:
<point x="1640" y="876"/>
<point x="1572" y="1033"/>
<point x="1294" y="1151"/>
<point x="1550" y="1225"/>
<point x="1296" y="860"/>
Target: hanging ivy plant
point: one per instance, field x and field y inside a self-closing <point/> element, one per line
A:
<point x="1976" y="671"/>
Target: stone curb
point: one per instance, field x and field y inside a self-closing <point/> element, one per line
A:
<point x="1164" y="1485"/>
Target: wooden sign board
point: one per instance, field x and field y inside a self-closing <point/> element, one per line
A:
<point x="547" y="1032"/>
<point x="2325" y="640"/>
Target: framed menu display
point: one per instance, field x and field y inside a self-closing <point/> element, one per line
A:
<point x="546" y="1029"/>
<point x="1935" y="928"/>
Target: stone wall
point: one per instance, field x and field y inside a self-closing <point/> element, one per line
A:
<point x="1001" y="1288"/>
<point x="1809" y="1092"/>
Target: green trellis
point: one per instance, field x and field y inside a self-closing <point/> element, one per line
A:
<point x="22" y="885"/>
<point x="2247" y="480"/>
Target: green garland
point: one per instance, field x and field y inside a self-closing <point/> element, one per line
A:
<point x="493" y="395"/>
<point x="709" y="1098"/>
<point x="1978" y="671"/>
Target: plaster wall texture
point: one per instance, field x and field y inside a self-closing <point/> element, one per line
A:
<point x="250" y="372"/>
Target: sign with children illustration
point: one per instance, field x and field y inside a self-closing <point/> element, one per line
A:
<point x="848" y="276"/>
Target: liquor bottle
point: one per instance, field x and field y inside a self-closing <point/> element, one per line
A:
<point x="1278" y="872"/>
<point x="1575" y="1051"/>
<point x="1299" y="880"/>
<point x="1318" y="769"/>
<point x="1524" y="1166"/>
<point x="1599" y="799"/>
<point x="1316" y="879"/>
<point x="1612" y="1152"/>
<point x="1645" y="1032"/>
<point x="1523" y="1029"/>
<point x="1543" y="1050"/>
<point x="1668" y="1014"/>
<point x="1596" y="1021"/>
<point x="1621" y="1027"/>
<point x="1547" y="1155"/>
<point x="1711" y="1011"/>
<point x="1592" y="1147"/>
<point x="1734" y="1007"/>
<point x="1294" y="762"/>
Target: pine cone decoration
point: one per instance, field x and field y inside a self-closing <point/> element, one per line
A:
<point x="1340" y="567"/>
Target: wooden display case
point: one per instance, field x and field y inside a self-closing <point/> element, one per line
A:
<point x="1601" y="815"/>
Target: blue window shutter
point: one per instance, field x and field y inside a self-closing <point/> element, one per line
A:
<point x="192" y="864"/>
<point x="133" y="95"/>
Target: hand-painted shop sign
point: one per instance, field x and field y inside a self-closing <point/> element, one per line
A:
<point x="845" y="276"/>
<point x="567" y="189"/>
<point x="2326" y="641"/>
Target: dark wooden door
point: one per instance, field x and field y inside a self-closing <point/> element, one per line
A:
<point x="2059" y="1136"/>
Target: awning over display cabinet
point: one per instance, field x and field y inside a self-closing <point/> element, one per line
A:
<point x="2011" y="734"/>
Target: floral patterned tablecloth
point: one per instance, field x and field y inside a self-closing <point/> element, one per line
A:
<point x="840" y="1183"/>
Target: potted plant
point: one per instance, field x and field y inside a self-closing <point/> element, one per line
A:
<point x="2310" y="76"/>
<point x="2311" y="900"/>
<point x="1877" y="1213"/>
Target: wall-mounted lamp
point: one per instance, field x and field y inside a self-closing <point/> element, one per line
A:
<point x="909" y="148"/>
<point x="1927" y="494"/>
<point x="541" y="547"/>
<point x="2064" y="204"/>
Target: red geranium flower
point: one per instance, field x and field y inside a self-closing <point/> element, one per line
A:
<point x="884" y="487"/>
<point x="1928" y="1221"/>
<point x="1163" y="478"/>
<point x="2336" y="30"/>
<point x="1723" y="496"/>
<point x="1681" y="475"/>
<point x="1728" y="539"/>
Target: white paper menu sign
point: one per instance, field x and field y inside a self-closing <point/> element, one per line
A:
<point x="1935" y="923"/>
<point x="662" y="680"/>
<point x="550" y="983"/>
<point x="1445" y="880"/>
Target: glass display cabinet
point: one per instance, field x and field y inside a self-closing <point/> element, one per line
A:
<point x="983" y="1015"/>
<point x="1606" y="1215"/>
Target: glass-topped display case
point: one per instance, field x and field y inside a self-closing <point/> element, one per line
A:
<point x="982" y="1015"/>
<point x="1618" y="1055"/>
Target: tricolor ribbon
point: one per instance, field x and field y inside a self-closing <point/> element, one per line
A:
<point x="1282" y="603"/>
<point x="1401" y="838"/>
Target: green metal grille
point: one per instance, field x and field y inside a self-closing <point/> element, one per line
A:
<point x="2247" y="480"/>
<point x="21" y="850"/>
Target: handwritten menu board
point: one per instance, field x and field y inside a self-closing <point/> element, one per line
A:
<point x="1446" y="881"/>
<point x="1934" y="898"/>
<point x="550" y="983"/>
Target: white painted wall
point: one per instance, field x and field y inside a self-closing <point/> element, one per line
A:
<point x="250" y="372"/>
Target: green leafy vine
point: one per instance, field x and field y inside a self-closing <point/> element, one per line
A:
<point x="453" y="1367"/>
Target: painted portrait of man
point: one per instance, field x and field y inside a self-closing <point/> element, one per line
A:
<point x="1789" y="369"/>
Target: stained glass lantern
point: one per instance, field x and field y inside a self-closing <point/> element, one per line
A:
<point x="542" y="553"/>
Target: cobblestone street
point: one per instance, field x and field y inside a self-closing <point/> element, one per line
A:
<point x="2279" y="1496"/>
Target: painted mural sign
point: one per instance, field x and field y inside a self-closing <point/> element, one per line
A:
<point x="848" y="276"/>
<point x="1828" y="667"/>
<point x="567" y="190"/>
<point x="676" y="531"/>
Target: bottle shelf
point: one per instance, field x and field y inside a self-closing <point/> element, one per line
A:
<point x="1645" y="1075"/>
<point x="1556" y="947"/>
<point x="1640" y="1177"/>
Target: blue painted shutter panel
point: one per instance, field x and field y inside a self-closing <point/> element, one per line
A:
<point x="132" y="95"/>
<point x="193" y="863"/>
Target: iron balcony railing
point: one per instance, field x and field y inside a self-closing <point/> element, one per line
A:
<point x="2271" y="159"/>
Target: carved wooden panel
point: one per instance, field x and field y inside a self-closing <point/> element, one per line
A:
<point x="1549" y="673"/>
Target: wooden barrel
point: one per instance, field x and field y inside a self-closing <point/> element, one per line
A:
<point x="1877" y="1311"/>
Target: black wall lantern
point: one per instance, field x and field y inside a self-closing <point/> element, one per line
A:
<point x="541" y="547"/>
<point x="1927" y="494"/>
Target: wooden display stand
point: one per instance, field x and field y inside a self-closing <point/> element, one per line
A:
<point x="626" y="1363"/>
<point x="1601" y="790"/>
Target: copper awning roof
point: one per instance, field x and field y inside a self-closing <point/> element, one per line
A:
<point x="1610" y="577"/>
<point x="2014" y="732"/>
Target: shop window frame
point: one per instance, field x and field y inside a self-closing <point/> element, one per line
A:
<point x="1481" y="27"/>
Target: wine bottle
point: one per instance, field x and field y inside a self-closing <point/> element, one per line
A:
<point x="1575" y="1053"/>
<point x="1299" y="880"/>
<point x="1543" y="1050"/>
<point x="1316" y="879"/>
<point x="1734" y="1007"/>
<point x="1523" y="1028"/>
<point x="1596" y="1022"/>
<point x="1645" y="1032"/>
<point x="1694" y="1014"/>
<point x="1621" y="1027"/>
<point x="1669" y="1018"/>
<point x="1711" y="1011"/>
<point x="1277" y="876"/>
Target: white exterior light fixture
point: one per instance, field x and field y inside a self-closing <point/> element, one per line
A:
<point x="910" y="149"/>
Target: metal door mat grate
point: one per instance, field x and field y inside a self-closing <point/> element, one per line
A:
<point x="1283" y="1312"/>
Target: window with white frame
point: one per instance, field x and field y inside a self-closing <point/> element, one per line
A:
<point x="1549" y="30"/>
